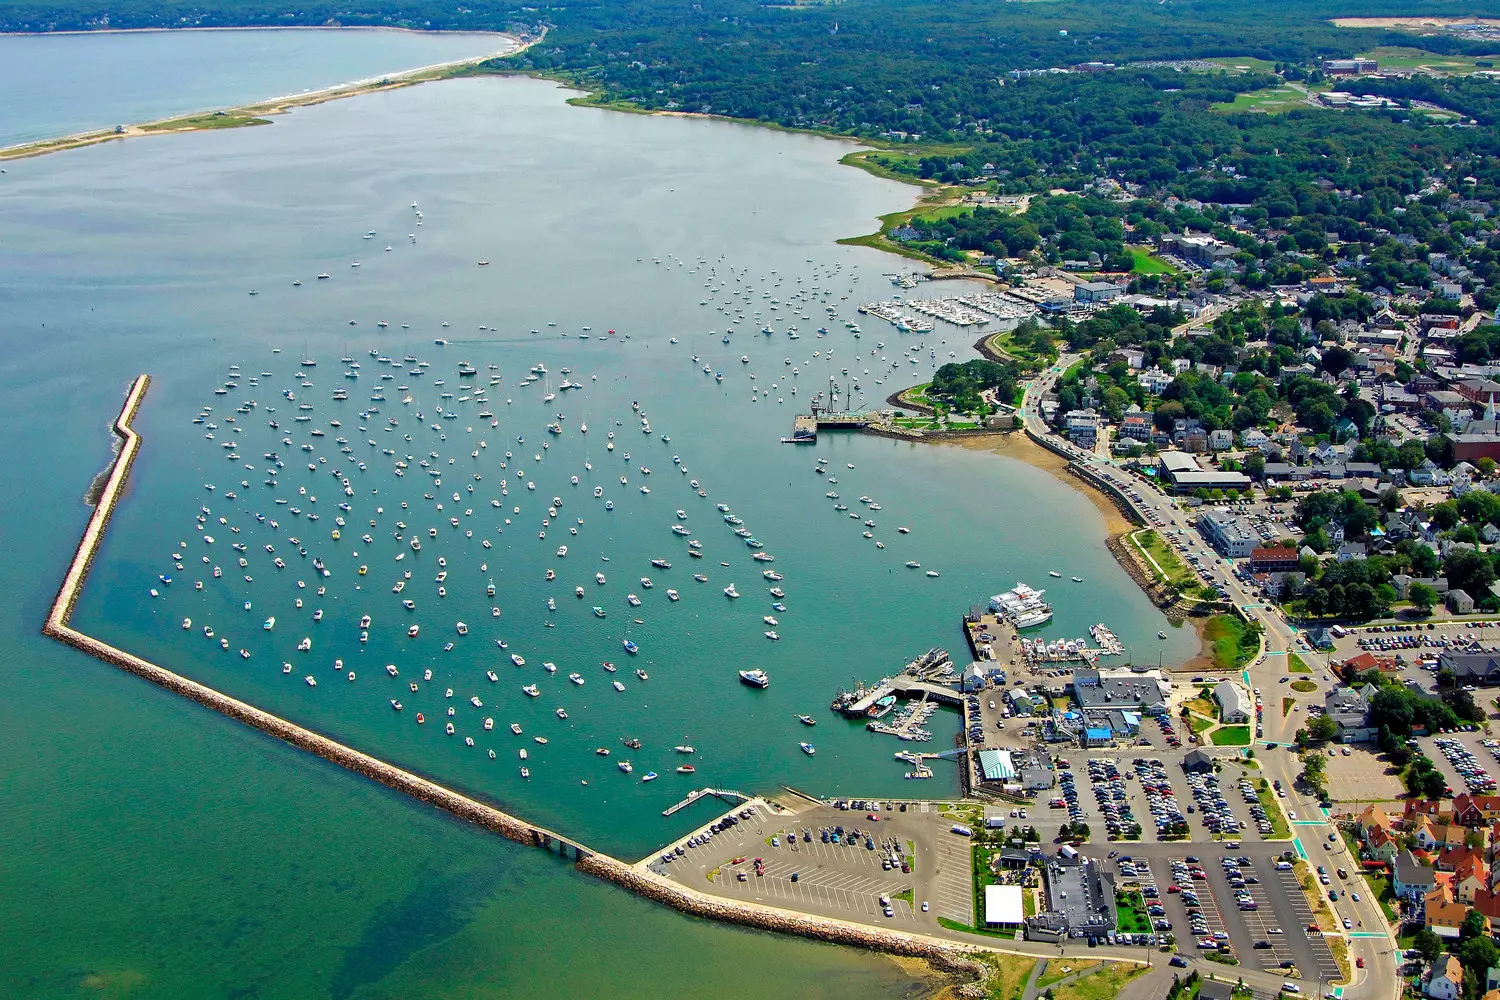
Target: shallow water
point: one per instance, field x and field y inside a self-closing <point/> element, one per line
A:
<point x="60" y="84"/>
<point x="140" y="257"/>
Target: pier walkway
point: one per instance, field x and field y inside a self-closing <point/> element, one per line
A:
<point x="698" y="793"/>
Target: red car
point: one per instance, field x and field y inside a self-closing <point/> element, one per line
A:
<point x="873" y="818"/>
<point x="1174" y="888"/>
<point x="1359" y="963"/>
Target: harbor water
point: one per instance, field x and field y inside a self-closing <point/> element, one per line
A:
<point x="141" y="257"/>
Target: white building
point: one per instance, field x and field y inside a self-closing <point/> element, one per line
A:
<point x="1235" y="704"/>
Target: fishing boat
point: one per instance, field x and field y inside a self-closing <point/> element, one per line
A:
<point x="808" y="748"/>
<point x="661" y="564"/>
<point x="531" y="690"/>
<point x="730" y="592"/>
<point x="625" y="766"/>
<point x="518" y="659"/>
<point x="598" y="612"/>
<point x="576" y="678"/>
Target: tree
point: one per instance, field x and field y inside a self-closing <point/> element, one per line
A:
<point x="1469" y="571"/>
<point x="1427" y="944"/>
<point x="1322" y="729"/>
<point x="1434" y="785"/>
<point x="1472" y="928"/>
<point x="1255" y="464"/>
<point x="1167" y="415"/>
<point x="1422" y="596"/>
<point x="1335" y="360"/>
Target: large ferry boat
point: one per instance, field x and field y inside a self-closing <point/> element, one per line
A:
<point x="1023" y="606"/>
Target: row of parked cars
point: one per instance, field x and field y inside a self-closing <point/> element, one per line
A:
<point x="1467" y="764"/>
<point x="1408" y="637"/>
<point x="1186" y="873"/>
<point x="1210" y="802"/>
<point x="1159" y="796"/>
<point x="1069" y="794"/>
<point x="714" y="829"/>
<point x="1114" y="802"/>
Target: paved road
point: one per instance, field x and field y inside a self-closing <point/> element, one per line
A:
<point x="1378" y="981"/>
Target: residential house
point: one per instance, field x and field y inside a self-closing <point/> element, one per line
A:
<point x="1349" y="708"/>
<point x="1476" y="810"/>
<point x="1459" y="602"/>
<point x="1471" y="668"/>
<point x="1220" y="440"/>
<point x="1472" y="876"/>
<point x="1083" y="427"/>
<point x="1274" y="559"/>
<point x="1411" y="880"/>
<point x="1382" y="845"/>
<point x="1445" y="980"/>
<point x="1443" y="914"/>
<point x="1432" y="836"/>
<point x="1136" y="426"/>
<point x="1254" y="438"/>
<point x="1435" y="809"/>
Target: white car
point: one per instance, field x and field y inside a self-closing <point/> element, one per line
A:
<point x="1291" y="814"/>
<point x="925" y="906"/>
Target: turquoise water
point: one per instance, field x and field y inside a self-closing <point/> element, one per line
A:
<point x="189" y="850"/>
<point x="60" y="84"/>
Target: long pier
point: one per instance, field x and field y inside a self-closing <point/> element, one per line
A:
<point x="948" y="955"/>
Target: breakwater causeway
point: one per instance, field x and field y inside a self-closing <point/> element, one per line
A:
<point x="945" y="955"/>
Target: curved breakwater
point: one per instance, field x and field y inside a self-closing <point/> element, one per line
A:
<point x="944" y="955"/>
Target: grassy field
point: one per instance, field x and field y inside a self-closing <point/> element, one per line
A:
<point x="1200" y="724"/>
<point x="1404" y="57"/>
<point x="1272" y="100"/>
<point x="1286" y="706"/>
<point x="1008" y="973"/>
<point x="1245" y="64"/>
<point x="1231" y="736"/>
<point x="1004" y="342"/>
<point x="1103" y="985"/>
<point x="1303" y="687"/>
<point x="1146" y="262"/>
<point x="1234" y="643"/>
<point x="1062" y="968"/>
<point x="1132" y="911"/>
<point x="1296" y="665"/>
<point x="231" y="119"/>
<point x="1177" y="572"/>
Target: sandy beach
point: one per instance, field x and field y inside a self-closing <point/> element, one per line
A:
<point x="256" y="113"/>
<point x="1014" y="444"/>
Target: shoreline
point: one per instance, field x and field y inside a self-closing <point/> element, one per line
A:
<point x="250" y="27"/>
<point x="255" y="113"/>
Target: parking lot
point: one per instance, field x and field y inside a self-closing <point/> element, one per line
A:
<point x="1465" y="760"/>
<point x="836" y="862"/>
<point x="1114" y="791"/>
<point x="1239" y="904"/>
<point x="1359" y="775"/>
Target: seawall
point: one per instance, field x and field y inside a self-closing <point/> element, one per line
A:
<point x="945" y="955"/>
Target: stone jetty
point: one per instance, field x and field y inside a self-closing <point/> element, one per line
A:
<point x="945" y="955"/>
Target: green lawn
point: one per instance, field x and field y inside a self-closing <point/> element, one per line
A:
<point x="1380" y="888"/>
<point x="1200" y="724"/>
<point x="1272" y="100"/>
<point x="1062" y="968"/>
<point x="1231" y="736"/>
<point x="1303" y="687"/>
<point x="1007" y="973"/>
<point x="1132" y="911"/>
<point x="1408" y="58"/>
<point x="1103" y="985"/>
<point x="1177" y="572"/>
<point x="233" y="119"/>
<point x="1233" y="641"/>
<point x="1245" y="64"/>
<point x="1279" y="828"/>
<point x="945" y="212"/>
<point x="1286" y="706"/>
<point x="1296" y="665"/>
<point x="1146" y="262"/>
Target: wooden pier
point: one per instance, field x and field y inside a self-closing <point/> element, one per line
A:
<point x="699" y="793"/>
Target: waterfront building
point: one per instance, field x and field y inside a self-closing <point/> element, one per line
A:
<point x="1181" y="472"/>
<point x="1003" y="906"/>
<point x="1231" y="536"/>
<point x="1235" y="703"/>
<point x="1080" y="901"/>
<point x="1121" y="688"/>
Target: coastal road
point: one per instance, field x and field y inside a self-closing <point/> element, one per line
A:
<point x="1310" y="824"/>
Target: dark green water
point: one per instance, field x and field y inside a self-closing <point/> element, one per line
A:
<point x="153" y="848"/>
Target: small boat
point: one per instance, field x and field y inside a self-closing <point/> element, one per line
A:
<point x="807" y="720"/>
<point x="685" y="749"/>
<point x="531" y="690"/>
<point x="730" y="592"/>
<point x="515" y="727"/>
<point x="648" y="776"/>
<point x="602" y="751"/>
<point x="1161" y="635"/>
<point x="395" y="704"/>
<point x="932" y="573"/>
<point x="562" y="713"/>
<point x="642" y="674"/>
<point x="474" y="700"/>
<point x="462" y="628"/>
<point x="913" y="564"/>
<point x="686" y="769"/>
<point x="518" y="659"/>
<point x="630" y="647"/>
<point x="1054" y="573"/>
<point x="311" y="680"/>
<point x="598" y="612"/>
<point x="268" y="625"/>
<point x="672" y="595"/>
<point x="755" y="678"/>
<point x="411" y="633"/>
<point x="576" y="678"/>
<point x="525" y="772"/>
<point x="808" y="748"/>
<point x="1077" y="579"/>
